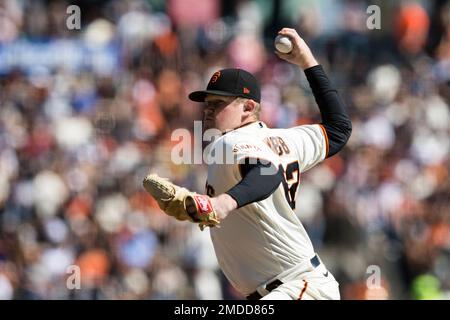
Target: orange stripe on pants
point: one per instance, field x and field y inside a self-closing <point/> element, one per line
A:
<point x="303" y="290"/>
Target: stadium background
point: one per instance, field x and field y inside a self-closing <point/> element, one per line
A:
<point x="85" y="114"/>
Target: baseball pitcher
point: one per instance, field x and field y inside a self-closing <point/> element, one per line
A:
<point x="261" y="245"/>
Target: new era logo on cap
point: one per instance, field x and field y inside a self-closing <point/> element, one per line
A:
<point x="232" y="83"/>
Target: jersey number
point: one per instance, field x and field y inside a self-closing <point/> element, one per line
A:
<point x="291" y="177"/>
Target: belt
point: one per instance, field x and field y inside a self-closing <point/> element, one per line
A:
<point x="276" y="283"/>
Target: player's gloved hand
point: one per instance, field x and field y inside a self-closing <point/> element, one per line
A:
<point x="181" y="203"/>
<point x="200" y="209"/>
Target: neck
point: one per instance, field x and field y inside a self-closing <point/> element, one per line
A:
<point x="243" y="124"/>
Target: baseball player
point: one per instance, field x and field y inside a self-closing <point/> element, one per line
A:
<point x="261" y="245"/>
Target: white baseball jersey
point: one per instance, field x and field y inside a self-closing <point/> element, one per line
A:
<point x="260" y="240"/>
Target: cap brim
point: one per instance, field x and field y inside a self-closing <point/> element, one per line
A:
<point x="199" y="96"/>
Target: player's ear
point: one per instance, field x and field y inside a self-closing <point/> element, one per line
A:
<point x="249" y="106"/>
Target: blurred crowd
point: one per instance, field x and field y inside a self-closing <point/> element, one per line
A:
<point x="86" y="113"/>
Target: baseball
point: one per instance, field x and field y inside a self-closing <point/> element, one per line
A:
<point x="283" y="44"/>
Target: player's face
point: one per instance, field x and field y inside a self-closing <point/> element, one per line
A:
<point x="221" y="113"/>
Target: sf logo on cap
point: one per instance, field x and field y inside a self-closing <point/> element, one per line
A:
<point x="215" y="76"/>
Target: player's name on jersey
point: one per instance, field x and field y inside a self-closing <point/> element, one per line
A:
<point x="245" y="147"/>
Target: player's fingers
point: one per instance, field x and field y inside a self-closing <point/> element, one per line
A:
<point x="286" y="30"/>
<point x="289" y="36"/>
<point x="292" y="35"/>
<point x="296" y="40"/>
<point x="289" y="32"/>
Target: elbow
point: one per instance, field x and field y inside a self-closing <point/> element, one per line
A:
<point x="338" y="136"/>
<point x="343" y="128"/>
<point x="347" y="129"/>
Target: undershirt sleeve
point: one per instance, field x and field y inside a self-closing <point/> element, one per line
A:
<point x="259" y="181"/>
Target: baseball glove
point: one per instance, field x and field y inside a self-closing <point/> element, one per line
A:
<point x="181" y="203"/>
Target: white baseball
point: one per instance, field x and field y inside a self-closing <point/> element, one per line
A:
<point x="283" y="44"/>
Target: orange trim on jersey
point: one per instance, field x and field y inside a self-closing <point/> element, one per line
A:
<point x="326" y="138"/>
<point x="303" y="290"/>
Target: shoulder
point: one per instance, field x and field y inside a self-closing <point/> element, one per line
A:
<point x="236" y="144"/>
<point x="306" y="131"/>
<point x="234" y="136"/>
<point x="307" y="127"/>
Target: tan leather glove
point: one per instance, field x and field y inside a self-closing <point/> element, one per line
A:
<point x="181" y="203"/>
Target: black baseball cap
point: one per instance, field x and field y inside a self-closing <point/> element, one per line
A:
<point x="231" y="83"/>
